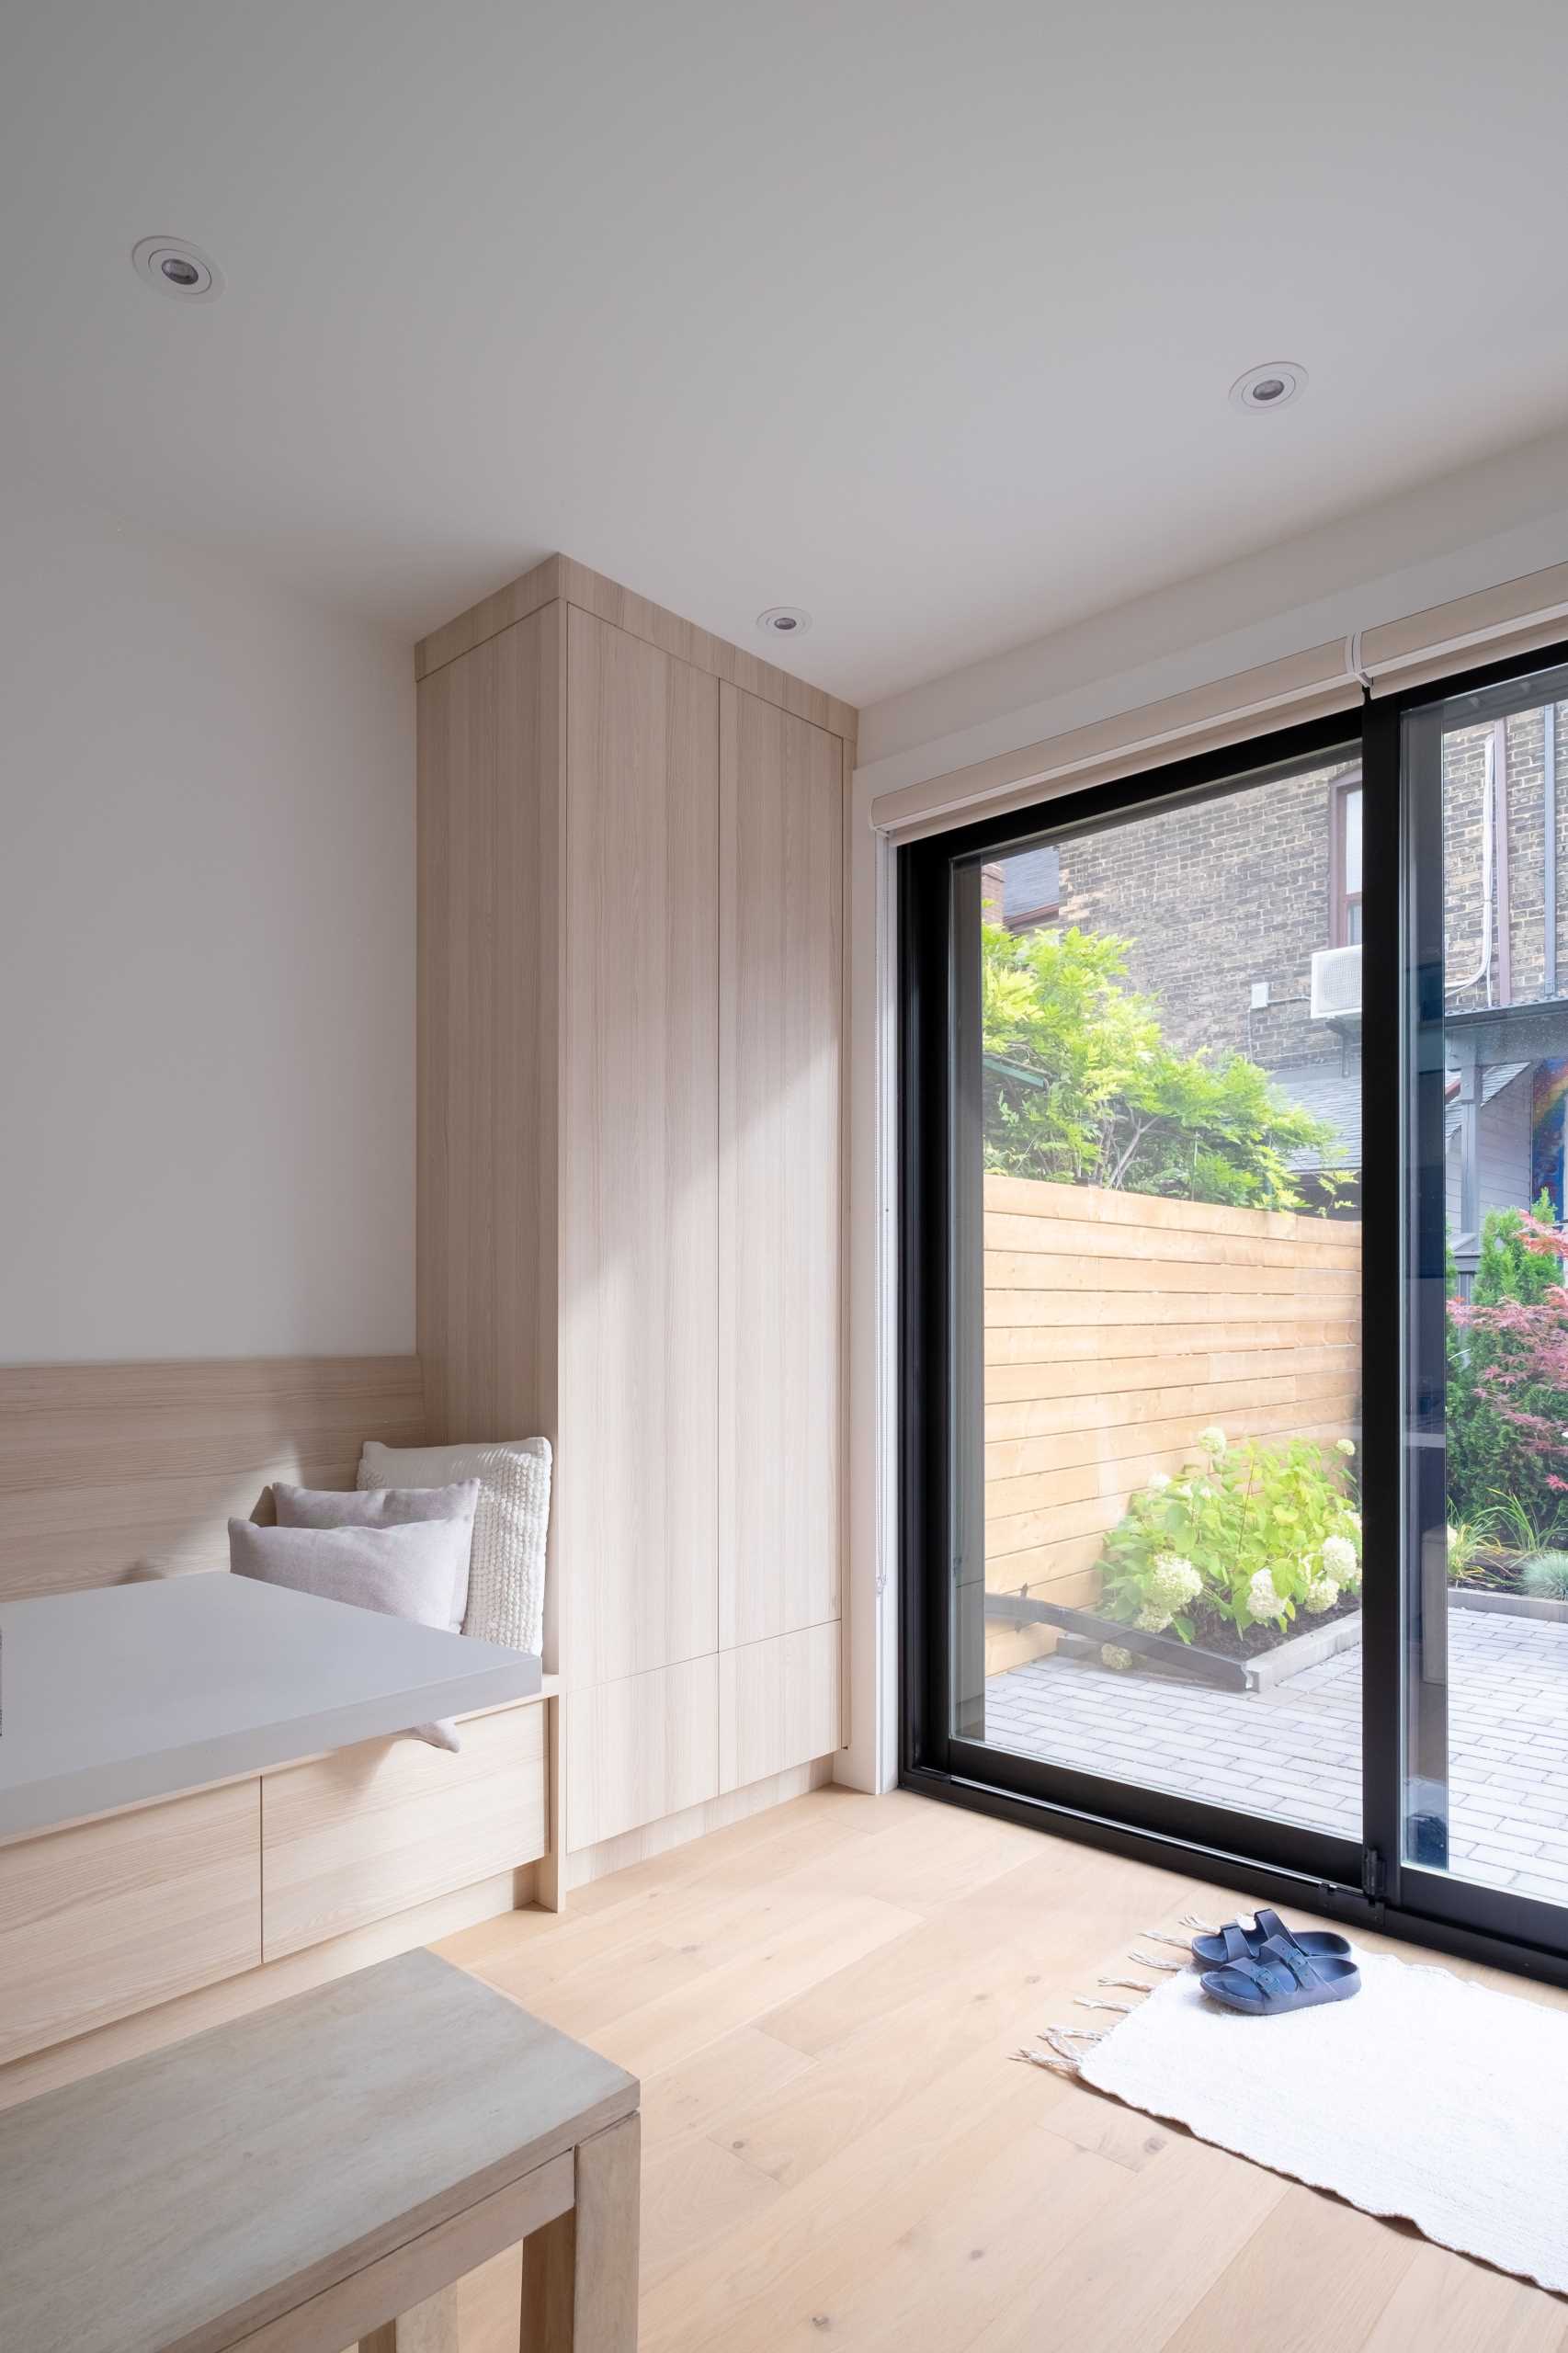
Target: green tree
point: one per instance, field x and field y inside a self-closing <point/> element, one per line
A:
<point x="1082" y="1087"/>
<point x="1506" y="1266"/>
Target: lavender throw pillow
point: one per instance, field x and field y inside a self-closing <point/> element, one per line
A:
<point x="414" y="1571"/>
<point x="384" y="1507"/>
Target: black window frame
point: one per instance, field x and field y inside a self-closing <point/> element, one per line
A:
<point x="1368" y="1884"/>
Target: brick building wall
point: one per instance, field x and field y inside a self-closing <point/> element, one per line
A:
<point x="1213" y="898"/>
<point x="1218" y="897"/>
<point x="1464" y="777"/>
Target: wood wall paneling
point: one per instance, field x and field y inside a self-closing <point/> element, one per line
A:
<point x="637" y="1483"/>
<point x="112" y="1916"/>
<point x="108" y="1470"/>
<point x="778" y="1704"/>
<point x="641" y="1748"/>
<point x="781" y="1365"/>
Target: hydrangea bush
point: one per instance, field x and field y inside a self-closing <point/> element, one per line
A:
<point x="1249" y="1534"/>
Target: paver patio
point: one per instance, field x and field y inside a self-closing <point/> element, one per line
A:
<point x="1294" y="1751"/>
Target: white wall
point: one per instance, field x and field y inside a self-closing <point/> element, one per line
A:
<point x="206" y="939"/>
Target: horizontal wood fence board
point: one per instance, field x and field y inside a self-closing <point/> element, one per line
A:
<point x="1043" y="1565"/>
<point x="1192" y="1311"/>
<point x="1041" y="1271"/>
<point x="1062" y="1237"/>
<point x="1029" y="1198"/>
<point x="1027" y="1428"/>
<point x="1329" y="1399"/>
<point x="1124" y="1387"/>
<point x="1041" y="1343"/>
<point x="1081" y="1482"/>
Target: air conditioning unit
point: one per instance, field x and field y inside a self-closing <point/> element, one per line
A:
<point x="1336" y="983"/>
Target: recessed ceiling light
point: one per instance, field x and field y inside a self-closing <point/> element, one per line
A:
<point x="784" y="621"/>
<point x="176" y="267"/>
<point x="1274" y="385"/>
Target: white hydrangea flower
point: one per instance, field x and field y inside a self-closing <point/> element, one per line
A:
<point x="1114" y="1655"/>
<point x="1344" y="1445"/>
<point x="1320" y="1595"/>
<point x="1173" y="1583"/>
<point x="1339" y="1560"/>
<point x="1262" y="1600"/>
<point x="1152" y="1621"/>
<point x="1212" y="1440"/>
<point x="1159" y="1480"/>
<point x="1453" y="1537"/>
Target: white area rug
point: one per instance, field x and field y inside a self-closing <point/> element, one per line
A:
<point x="1425" y="2097"/>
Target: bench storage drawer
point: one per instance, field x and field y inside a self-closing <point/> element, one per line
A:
<point x="353" y="1838"/>
<point x="107" y="1917"/>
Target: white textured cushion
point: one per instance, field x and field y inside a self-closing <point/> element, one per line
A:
<point x="415" y="1570"/>
<point x="506" y="1583"/>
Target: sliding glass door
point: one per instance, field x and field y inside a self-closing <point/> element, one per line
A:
<point x="1152" y="1097"/>
<point x="1485" y="1763"/>
<point x="1236" y="1333"/>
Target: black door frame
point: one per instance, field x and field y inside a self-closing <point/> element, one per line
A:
<point x="1363" y="1882"/>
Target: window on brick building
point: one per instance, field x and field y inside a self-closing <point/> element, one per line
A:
<point x="1346" y="866"/>
<point x="1032" y="889"/>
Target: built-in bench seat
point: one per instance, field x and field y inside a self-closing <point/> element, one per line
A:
<point x="213" y="1876"/>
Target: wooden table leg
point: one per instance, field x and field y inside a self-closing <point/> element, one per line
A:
<point x="580" y="2272"/>
<point x="550" y="2259"/>
<point x="429" y="2327"/>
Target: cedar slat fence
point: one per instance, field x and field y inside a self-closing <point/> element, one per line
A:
<point x="1116" y="1326"/>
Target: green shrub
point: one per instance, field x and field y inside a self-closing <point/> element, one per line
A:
<point x="1248" y="1534"/>
<point x="1506" y="1396"/>
<point x="1546" y="1577"/>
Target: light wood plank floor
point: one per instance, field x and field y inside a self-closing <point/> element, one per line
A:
<point x="820" y="2001"/>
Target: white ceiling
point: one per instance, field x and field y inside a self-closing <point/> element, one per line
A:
<point x="920" y="315"/>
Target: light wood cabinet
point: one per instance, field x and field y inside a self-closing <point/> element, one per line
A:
<point x="639" y="1122"/>
<point x="630" y="961"/>
<point x="781" y="893"/>
<point x="374" y="1829"/>
<point x="111" y="1917"/>
<point x="641" y="1748"/>
<point x="778" y="1704"/>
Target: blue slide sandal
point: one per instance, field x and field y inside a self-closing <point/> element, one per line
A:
<point x="1234" y="1943"/>
<point x="1282" y="1977"/>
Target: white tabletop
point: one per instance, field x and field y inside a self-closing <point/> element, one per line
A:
<point x="135" y="1692"/>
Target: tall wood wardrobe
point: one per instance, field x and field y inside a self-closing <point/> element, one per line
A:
<point x="630" y="1139"/>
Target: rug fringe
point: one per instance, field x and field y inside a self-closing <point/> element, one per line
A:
<point x="1067" y="2045"/>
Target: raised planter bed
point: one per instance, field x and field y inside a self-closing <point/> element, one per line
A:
<point x="1303" y="1650"/>
<point x="1085" y="1635"/>
<point x="1509" y="1605"/>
